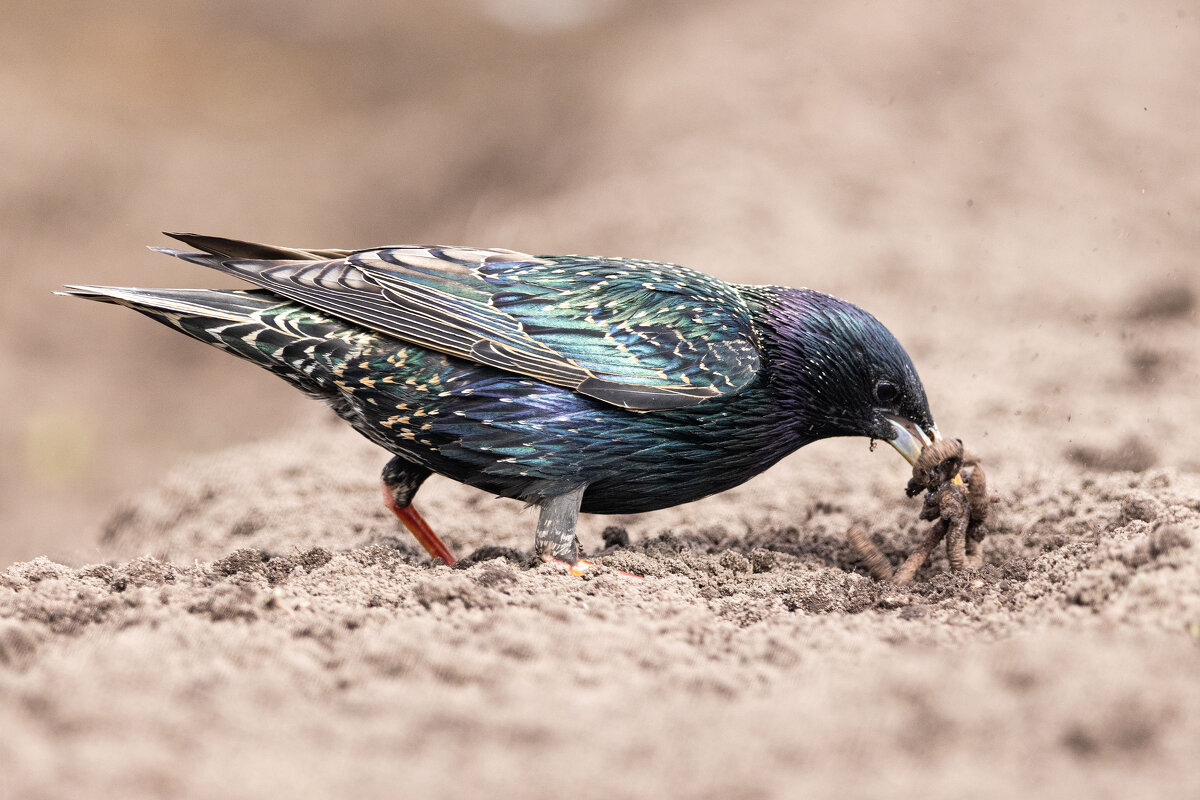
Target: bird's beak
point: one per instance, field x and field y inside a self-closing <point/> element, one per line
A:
<point x="910" y="439"/>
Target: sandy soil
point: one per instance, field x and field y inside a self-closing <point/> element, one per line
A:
<point x="1007" y="188"/>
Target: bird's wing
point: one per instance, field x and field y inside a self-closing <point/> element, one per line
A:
<point x="640" y="335"/>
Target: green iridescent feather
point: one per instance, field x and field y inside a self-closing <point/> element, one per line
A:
<point x="636" y="334"/>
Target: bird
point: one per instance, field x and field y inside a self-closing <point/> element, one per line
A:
<point x="573" y="383"/>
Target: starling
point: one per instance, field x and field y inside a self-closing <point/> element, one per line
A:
<point x="573" y="383"/>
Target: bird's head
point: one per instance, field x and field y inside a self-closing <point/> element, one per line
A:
<point x="842" y="373"/>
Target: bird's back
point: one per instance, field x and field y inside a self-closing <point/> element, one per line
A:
<point x="636" y="334"/>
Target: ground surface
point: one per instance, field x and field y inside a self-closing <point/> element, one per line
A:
<point x="1007" y="188"/>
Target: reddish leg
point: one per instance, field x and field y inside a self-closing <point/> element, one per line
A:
<point x="402" y="478"/>
<point x="418" y="527"/>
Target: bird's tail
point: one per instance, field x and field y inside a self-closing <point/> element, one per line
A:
<point x="213" y="304"/>
<point x="299" y="344"/>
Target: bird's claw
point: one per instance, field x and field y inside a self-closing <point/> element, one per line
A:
<point x="581" y="567"/>
<point x="578" y="569"/>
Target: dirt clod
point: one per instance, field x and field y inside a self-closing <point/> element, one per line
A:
<point x="615" y="536"/>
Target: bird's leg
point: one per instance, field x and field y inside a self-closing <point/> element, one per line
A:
<point x="401" y="479"/>
<point x="556" y="541"/>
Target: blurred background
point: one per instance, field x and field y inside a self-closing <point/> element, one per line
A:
<point x="1011" y="187"/>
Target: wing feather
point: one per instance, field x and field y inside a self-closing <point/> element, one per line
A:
<point x="640" y="335"/>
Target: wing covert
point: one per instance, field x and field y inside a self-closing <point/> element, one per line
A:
<point x="640" y="335"/>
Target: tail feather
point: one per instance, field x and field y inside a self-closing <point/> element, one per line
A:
<point x="297" y="343"/>
<point x="218" y="248"/>
<point x="218" y="304"/>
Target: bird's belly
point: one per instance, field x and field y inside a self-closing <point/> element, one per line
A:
<point x="664" y="484"/>
<point x="627" y="469"/>
<point x="525" y="439"/>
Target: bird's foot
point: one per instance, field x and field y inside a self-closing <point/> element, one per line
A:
<point x="581" y="567"/>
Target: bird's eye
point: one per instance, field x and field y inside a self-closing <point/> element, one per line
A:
<point x="887" y="392"/>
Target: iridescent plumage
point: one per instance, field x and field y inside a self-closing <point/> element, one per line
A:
<point x="610" y="385"/>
